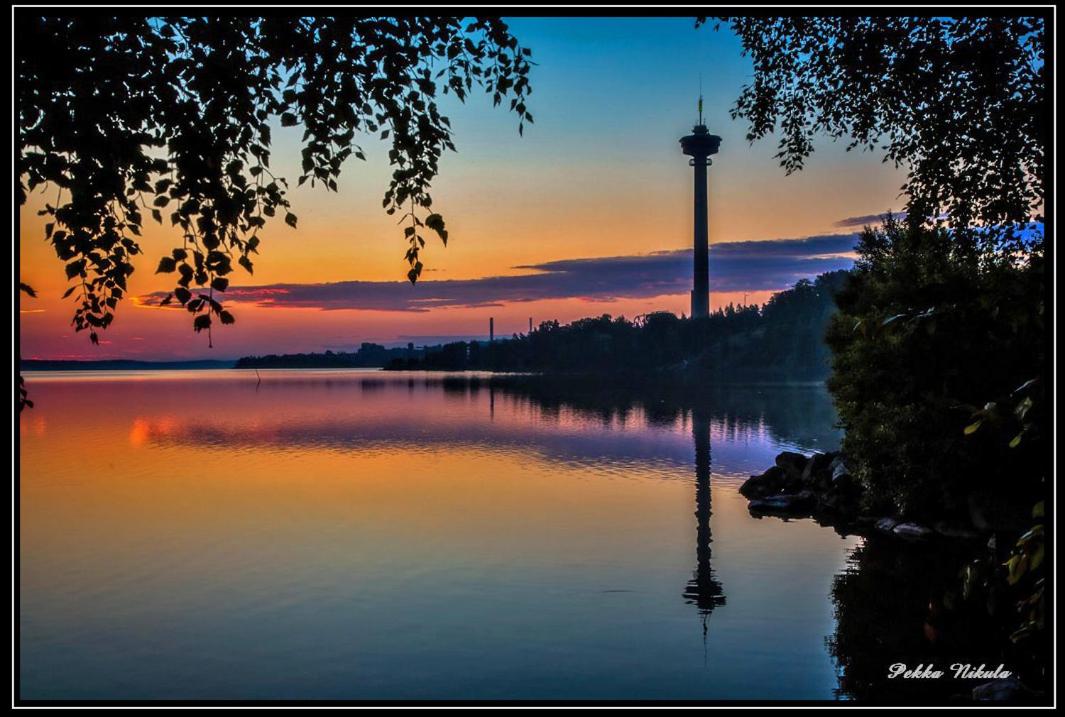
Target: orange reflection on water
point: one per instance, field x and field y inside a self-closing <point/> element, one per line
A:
<point x="145" y="429"/>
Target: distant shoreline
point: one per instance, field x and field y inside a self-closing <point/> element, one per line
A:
<point x="595" y="380"/>
<point x="122" y="365"/>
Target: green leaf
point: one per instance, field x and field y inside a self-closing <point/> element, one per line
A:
<point x="1017" y="567"/>
<point x="1037" y="556"/>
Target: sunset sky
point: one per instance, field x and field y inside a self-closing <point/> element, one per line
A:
<point x="588" y="213"/>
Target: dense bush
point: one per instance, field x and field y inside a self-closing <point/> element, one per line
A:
<point x="929" y="331"/>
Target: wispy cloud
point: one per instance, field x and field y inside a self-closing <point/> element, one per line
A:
<point x="866" y="220"/>
<point x="734" y="266"/>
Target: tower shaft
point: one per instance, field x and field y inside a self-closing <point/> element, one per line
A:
<point x="701" y="270"/>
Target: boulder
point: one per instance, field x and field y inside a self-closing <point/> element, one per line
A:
<point x="845" y="482"/>
<point x="818" y="470"/>
<point x="912" y="531"/>
<point x="820" y="485"/>
<point x="793" y="465"/>
<point x="800" y="503"/>
<point x="955" y="532"/>
<point x="840" y="471"/>
<point x="829" y="502"/>
<point x="837" y="502"/>
<point x="886" y="525"/>
<point x="770" y="482"/>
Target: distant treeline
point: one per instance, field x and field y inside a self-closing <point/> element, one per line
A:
<point x="119" y="365"/>
<point x="368" y="356"/>
<point x="782" y="340"/>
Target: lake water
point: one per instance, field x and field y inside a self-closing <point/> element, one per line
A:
<point x="369" y="535"/>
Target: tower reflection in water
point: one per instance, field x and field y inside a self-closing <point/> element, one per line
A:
<point x="703" y="590"/>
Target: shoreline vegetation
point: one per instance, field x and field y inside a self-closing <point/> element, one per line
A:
<point x="781" y="341"/>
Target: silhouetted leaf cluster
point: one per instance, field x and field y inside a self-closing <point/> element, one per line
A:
<point x="125" y="117"/>
<point x="960" y="102"/>
<point x="23" y="396"/>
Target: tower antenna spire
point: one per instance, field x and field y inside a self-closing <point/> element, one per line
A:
<point x="700" y="98"/>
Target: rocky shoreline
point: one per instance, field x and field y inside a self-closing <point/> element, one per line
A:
<point x="821" y="486"/>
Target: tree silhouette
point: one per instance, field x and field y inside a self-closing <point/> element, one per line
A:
<point x="783" y="340"/>
<point x="125" y="116"/>
<point x="959" y="101"/>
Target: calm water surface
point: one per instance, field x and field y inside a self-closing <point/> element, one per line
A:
<point x="351" y="535"/>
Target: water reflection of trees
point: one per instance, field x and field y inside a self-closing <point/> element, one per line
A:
<point x="795" y="413"/>
<point x="903" y="603"/>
